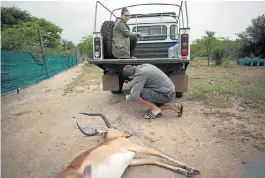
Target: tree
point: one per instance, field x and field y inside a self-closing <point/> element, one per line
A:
<point x="51" y="33"/>
<point x="86" y="46"/>
<point x="253" y="38"/>
<point x="12" y="16"/>
<point x="250" y="42"/>
<point x="68" y="45"/>
<point x="198" y="49"/>
<point x="208" y="42"/>
<point x="20" y="29"/>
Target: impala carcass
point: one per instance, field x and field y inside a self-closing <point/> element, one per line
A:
<point x="110" y="158"/>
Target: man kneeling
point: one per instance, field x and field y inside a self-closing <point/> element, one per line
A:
<point x="153" y="88"/>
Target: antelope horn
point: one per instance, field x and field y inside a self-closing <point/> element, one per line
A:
<point x="85" y="133"/>
<point x="107" y="122"/>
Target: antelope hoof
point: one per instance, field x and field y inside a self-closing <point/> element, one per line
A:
<point x="196" y="172"/>
<point x="193" y="172"/>
<point x="189" y="174"/>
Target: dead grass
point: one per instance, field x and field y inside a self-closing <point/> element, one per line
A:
<point x="218" y="86"/>
<point x="22" y="113"/>
<point x="243" y="127"/>
<point x="89" y="76"/>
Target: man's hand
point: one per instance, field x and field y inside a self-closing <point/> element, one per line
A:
<point x="126" y="88"/>
<point x="126" y="97"/>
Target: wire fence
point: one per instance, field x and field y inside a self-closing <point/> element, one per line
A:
<point x="20" y="69"/>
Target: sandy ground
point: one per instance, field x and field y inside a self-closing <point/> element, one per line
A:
<point x="40" y="138"/>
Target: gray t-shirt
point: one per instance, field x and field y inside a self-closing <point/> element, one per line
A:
<point x="149" y="76"/>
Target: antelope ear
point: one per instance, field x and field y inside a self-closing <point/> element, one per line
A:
<point x="87" y="171"/>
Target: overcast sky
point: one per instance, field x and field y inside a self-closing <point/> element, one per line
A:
<point x="76" y="18"/>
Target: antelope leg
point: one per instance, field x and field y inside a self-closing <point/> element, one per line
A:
<point x="140" y="162"/>
<point x="87" y="171"/>
<point x="149" y="151"/>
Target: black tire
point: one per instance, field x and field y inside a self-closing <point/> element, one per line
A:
<point x="116" y="92"/>
<point x="179" y="94"/>
<point x="106" y="32"/>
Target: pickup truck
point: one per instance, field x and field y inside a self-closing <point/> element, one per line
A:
<point x="159" y="32"/>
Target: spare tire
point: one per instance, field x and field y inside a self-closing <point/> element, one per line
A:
<point x="106" y="32"/>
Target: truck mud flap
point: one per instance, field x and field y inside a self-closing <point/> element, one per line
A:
<point x="110" y="82"/>
<point x="180" y="82"/>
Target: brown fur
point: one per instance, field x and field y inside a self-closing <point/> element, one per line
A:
<point x="116" y="141"/>
<point x="94" y="155"/>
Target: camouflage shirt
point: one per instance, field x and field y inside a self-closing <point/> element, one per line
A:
<point x="121" y="40"/>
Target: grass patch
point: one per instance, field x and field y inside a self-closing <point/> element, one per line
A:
<point x="90" y="75"/>
<point x="229" y="64"/>
<point x="195" y="62"/>
<point x="214" y="92"/>
<point x="218" y="84"/>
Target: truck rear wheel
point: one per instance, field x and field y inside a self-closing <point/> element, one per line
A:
<point x="179" y="94"/>
<point x="106" y="32"/>
<point x="116" y="92"/>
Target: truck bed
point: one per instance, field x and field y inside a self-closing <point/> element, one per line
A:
<point x="139" y="61"/>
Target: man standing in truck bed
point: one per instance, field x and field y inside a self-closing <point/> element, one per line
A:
<point x="153" y="88"/>
<point x="124" y="41"/>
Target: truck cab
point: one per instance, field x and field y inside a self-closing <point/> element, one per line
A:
<point x="158" y="31"/>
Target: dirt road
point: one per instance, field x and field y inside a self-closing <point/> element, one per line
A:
<point x="40" y="138"/>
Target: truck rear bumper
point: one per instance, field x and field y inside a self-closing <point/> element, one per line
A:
<point x="112" y="82"/>
<point x="113" y="78"/>
<point x="139" y="61"/>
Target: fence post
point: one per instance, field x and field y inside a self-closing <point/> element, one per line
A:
<point x="42" y="52"/>
<point x="76" y="55"/>
<point x="41" y="44"/>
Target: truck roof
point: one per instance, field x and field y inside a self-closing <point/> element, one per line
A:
<point x="164" y="14"/>
<point x="153" y="18"/>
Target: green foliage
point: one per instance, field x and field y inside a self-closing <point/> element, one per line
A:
<point x="86" y="46"/>
<point x="220" y="48"/>
<point x="20" y="33"/>
<point x="251" y="41"/>
<point x="226" y="63"/>
<point x="51" y="34"/>
<point x="68" y="47"/>
<point x="218" y="55"/>
<point x="209" y="42"/>
<point x="205" y="46"/>
<point x="12" y="16"/>
<point x="198" y="49"/>
<point x="194" y="62"/>
<point x="68" y="44"/>
<point x="253" y="38"/>
<point x="26" y="33"/>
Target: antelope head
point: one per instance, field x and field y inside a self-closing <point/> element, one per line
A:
<point x="109" y="133"/>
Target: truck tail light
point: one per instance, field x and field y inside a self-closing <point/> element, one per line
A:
<point x="184" y="52"/>
<point x="97" y="47"/>
<point x="184" y="44"/>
